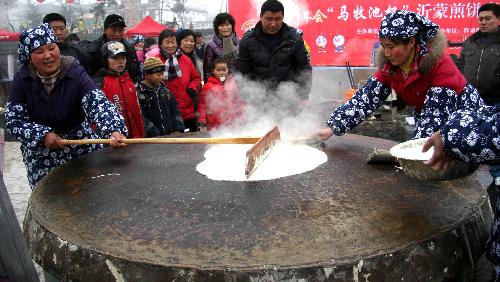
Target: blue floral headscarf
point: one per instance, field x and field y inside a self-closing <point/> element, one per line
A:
<point x="33" y="38"/>
<point x="403" y="24"/>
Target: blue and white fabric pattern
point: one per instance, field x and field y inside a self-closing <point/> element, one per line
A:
<point x="403" y="24"/>
<point x="40" y="160"/>
<point x="33" y="38"/>
<point x="473" y="136"/>
<point x="366" y="100"/>
<point x="136" y="39"/>
<point x="439" y="104"/>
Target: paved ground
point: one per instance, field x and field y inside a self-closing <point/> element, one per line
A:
<point x="17" y="184"/>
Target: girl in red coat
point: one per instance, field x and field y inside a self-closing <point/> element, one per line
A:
<point x="181" y="78"/>
<point x="223" y="105"/>
<point x="119" y="87"/>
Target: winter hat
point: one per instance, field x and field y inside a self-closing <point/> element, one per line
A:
<point x="182" y="33"/>
<point x="114" y="19"/>
<point x="403" y="24"/>
<point x="33" y="38"/>
<point x="152" y="65"/>
<point x="136" y="39"/>
<point x="112" y="48"/>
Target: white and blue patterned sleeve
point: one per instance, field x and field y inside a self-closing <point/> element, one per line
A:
<point x="440" y="103"/>
<point x="101" y="112"/>
<point x="366" y="100"/>
<point x="18" y="123"/>
<point x="472" y="135"/>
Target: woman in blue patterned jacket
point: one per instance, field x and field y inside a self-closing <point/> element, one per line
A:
<point x="52" y="98"/>
<point x="412" y="60"/>
<point x="472" y="136"/>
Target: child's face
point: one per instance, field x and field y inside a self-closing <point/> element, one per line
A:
<point x="154" y="78"/>
<point x="221" y="70"/>
<point x="117" y="63"/>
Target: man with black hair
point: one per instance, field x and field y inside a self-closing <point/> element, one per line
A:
<point x="114" y="27"/>
<point x="480" y="63"/>
<point x="274" y="52"/>
<point x="199" y="46"/>
<point x="58" y="24"/>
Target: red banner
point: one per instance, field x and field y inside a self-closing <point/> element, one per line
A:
<point x="338" y="32"/>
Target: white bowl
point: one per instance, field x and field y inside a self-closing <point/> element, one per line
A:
<point x="412" y="159"/>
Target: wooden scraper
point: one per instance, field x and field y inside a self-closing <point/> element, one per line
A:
<point x="260" y="150"/>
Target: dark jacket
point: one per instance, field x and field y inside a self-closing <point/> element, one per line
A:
<point x="480" y="64"/>
<point x="200" y="51"/>
<point x="288" y="61"/>
<point x="160" y="112"/>
<point x="95" y="61"/>
<point x="75" y="52"/>
<point x="74" y="109"/>
<point x="214" y="50"/>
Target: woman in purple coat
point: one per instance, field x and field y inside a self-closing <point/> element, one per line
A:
<point x="223" y="44"/>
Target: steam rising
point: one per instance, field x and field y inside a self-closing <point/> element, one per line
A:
<point x="266" y="107"/>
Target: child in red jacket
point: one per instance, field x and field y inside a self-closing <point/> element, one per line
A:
<point x="119" y="88"/>
<point x="223" y="104"/>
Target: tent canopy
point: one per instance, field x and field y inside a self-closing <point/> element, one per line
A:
<point x="8" y="36"/>
<point x="147" y="28"/>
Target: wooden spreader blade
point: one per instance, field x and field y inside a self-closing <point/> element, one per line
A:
<point x="260" y="150"/>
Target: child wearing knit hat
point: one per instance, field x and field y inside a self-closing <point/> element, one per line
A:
<point x="160" y="111"/>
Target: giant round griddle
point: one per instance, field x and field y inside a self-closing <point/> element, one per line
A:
<point x="143" y="213"/>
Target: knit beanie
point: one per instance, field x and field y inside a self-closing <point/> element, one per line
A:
<point x="181" y="33"/>
<point x="153" y="64"/>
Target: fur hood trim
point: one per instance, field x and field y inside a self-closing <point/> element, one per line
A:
<point x="437" y="46"/>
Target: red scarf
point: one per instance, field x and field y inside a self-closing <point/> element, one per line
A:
<point x="121" y="91"/>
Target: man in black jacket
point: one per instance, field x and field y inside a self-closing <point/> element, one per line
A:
<point x="274" y="52"/>
<point x="479" y="59"/>
<point x="114" y="27"/>
<point x="58" y="24"/>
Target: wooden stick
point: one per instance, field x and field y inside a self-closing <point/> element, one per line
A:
<point x="211" y="140"/>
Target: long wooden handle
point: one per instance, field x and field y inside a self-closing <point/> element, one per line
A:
<point x="212" y="140"/>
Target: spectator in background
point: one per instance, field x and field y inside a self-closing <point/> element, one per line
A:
<point x="73" y="39"/>
<point x="273" y="52"/>
<point x="223" y="104"/>
<point x="149" y="43"/>
<point x="224" y="44"/>
<point x="114" y="27"/>
<point x="479" y="61"/>
<point x="160" y="111"/>
<point x="58" y="24"/>
<point x="373" y="53"/>
<point x="181" y="78"/>
<point x="138" y="43"/>
<point x="199" y="48"/>
<point x="119" y="88"/>
<point x="186" y="43"/>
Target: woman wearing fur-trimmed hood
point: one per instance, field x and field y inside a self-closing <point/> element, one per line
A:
<point x="412" y="61"/>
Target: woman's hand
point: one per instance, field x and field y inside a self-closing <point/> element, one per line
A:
<point x="440" y="159"/>
<point x="51" y="141"/>
<point x="323" y="134"/>
<point x="116" y="138"/>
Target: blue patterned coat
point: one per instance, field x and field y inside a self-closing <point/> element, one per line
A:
<point x="434" y="88"/>
<point x="473" y="136"/>
<point x="69" y="111"/>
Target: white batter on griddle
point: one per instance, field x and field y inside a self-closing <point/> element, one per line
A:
<point x="227" y="162"/>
